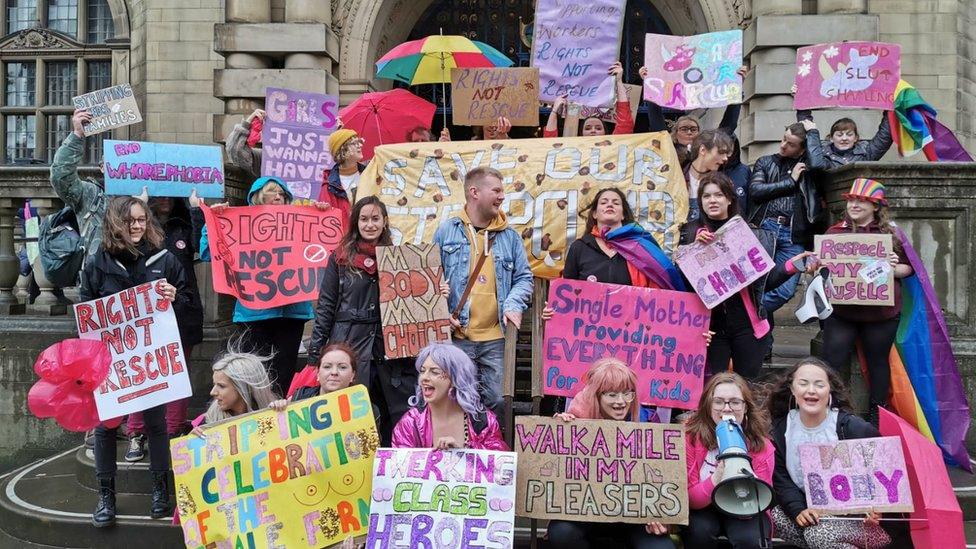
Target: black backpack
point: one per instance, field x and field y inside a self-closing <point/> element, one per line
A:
<point x="61" y="248"/>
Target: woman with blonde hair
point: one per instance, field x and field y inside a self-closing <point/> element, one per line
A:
<point x="240" y="385"/>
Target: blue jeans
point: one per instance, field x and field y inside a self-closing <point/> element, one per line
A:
<point x="785" y="249"/>
<point x="488" y="357"/>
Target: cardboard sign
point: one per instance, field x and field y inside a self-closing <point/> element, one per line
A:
<point x="856" y="476"/>
<point x="859" y="270"/>
<point x="111" y="108"/>
<point x="413" y="310"/>
<point x="295" y="138"/>
<point x="166" y="169"/>
<point x="601" y="471"/>
<point x="658" y="333"/>
<point x="693" y="72"/>
<point x="573" y="45"/>
<point x="609" y="114"/>
<point x="847" y="74"/>
<point x="732" y="261"/>
<point x="148" y="364"/>
<point x="547" y="183"/>
<point x="269" y="256"/>
<point x="444" y="499"/>
<point x="480" y="96"/>
<point x="298" y="479"/>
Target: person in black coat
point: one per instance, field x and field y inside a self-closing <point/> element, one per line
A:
<point x="131" y="253"/>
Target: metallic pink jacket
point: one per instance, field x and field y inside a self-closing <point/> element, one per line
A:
<point x="415" y="431"/>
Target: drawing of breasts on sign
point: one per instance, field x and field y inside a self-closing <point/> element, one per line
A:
<point x="413" y="311"/>
<point x="691" y="72"/>
<point x="110" y="108"/>
<point x="480" y="96"/>
<point x="860" y="272"/>
<point x="165" y="169"/>
<point x="847" y="74"/>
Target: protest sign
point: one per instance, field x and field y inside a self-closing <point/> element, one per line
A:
<point x="444" y="499"/>
<point x="732" y="261"/>
<point x="856" y="476"/>
<point x="860" y="273"/>
<point x="847" y="74"/>
<point x="413" y="310"/>
<point x="111" y="108"/>
<point x="547" y="183"/>
<point x="573" y="45"/>
<point x="299" y="478"/>
<point x="480" y="96"/>
<point x="165" y="169"/>
<point x="692" y="72"/>
<point x="148" y="364"/>
<point x="601" y="471"/>
<point x="609" y="114"/>
<point x="295" y="138"/>
<point x="658" y="333"/>
<point x="269" y="256"/>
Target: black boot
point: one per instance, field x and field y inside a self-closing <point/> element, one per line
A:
<point x="104" y="514"/>
<point x="160" y="496"/>
<point x="873" y="414"/>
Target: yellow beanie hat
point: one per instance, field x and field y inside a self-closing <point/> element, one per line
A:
<point x="339" y="138"/>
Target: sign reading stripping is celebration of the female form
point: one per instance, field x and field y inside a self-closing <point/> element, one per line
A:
<point x="111" y="108"/>
<point x="268" y="256"/>
<point x="657" y="332"/>
<point x="860" y="273"/>
<point x="148" y="365"/>
<point x="573" y="45"/>
<point x="442" y="499"/>
<point x="847" y="74"/>
<point x="295" y="138"/>
<point x="165" y="169"/>
<point x="413" y="311"/>
<point x="601" y="471"/>
<point x="547" y="183"/>
<point x="298" y="479"/>
<point x="856" y="476"/>
<point x="692" y="72"/>
<point x="730" y="262"/>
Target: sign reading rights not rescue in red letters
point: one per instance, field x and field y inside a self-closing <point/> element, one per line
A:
<point x="148" y="364"/>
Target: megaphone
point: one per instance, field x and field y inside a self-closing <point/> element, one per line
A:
<point x="740" y="493"/>
<point x="815" y="302"/>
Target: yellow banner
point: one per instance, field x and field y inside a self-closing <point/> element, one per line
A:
<point x="547" y="183"/>
<point x="298" y="479"/>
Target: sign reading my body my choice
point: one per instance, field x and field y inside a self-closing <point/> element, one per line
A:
<point x="658" y="333"/>
<point x="165" y="169"/>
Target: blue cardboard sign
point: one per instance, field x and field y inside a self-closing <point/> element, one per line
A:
<point x="166" y="169"/>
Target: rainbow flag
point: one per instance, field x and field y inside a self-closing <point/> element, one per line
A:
<point x="641" y="250"/>
<point x="914" y="128"/>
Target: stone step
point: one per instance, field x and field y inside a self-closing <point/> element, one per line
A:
<point x="964" y="485"/>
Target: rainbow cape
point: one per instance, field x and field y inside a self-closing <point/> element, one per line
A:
<point x="641" y="250"/>
<point x="926" y="389"/>
<point x="914" y="128"/>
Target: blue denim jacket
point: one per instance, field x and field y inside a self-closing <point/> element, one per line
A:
<point x="513" y="278"/>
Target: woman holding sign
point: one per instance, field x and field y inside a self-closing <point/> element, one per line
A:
<point x="132" y="253"/>
<point x="874" y="326"/>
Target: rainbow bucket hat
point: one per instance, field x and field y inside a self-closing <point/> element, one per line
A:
<point x="867" y="189"/>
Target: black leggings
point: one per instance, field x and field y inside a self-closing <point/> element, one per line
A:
<point x="394" y="381"/>
<point x="564" y="534"/>
<point x="280" y="337"/>
<point x="876" y="340"/>
<point x="741" y="346"/>
<point x="106" y="444"/>
<point x="704" y="525"/>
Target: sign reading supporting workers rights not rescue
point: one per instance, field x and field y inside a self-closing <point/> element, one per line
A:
<point x="111" y="108"/>
<point x="451" y="499"/>
<point x="547" y="183"/>
<point x="413" y="311"/>
<point x="298" y="479"/>
<point x="860" y="273"/>
<point x="269" y="256"/>
<point x="480" y="95"/>
<point x="165" y="169"/>
<point x="148" y="365"/>
<point x="601" y="471"/>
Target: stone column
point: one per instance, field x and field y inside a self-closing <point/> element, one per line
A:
<point x="777" y="7"/>
<point x="308" y="11"/>
<point x="47" y="303"/>
<point x="248" y="11"/>
<point x="842" y="6"/>
<point x="9" y="265"/>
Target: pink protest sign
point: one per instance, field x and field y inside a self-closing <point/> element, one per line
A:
<point x="658" y="333"/>
<point x="856" y="476"/>
<point x="847" y="74"/>
<point x="691" y="72"/>
<point x="730" y="262"/>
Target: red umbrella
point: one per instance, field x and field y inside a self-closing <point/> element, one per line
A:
<point x="70" y="372"/>
<point x="939" y="517"/>
<point x="382" y="118"/>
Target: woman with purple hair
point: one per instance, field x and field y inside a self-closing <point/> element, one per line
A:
<point x="447" y="411"/>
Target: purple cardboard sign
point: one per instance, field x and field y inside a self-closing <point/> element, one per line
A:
<point x="295" y="138"/>
<point x="573" y="45"/>
<point x="856" y="476"/>
<point x="847" y="74"/>
<point x="730" y="262"/>
<point x="692" y="72"/>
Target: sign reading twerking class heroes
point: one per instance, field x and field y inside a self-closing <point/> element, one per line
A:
<point x="111" y="108"/>
<point x="691" y="72"/>
<point x="847" y="74"/>
<point x="860" y="273"/>
<point x="165" y="169"/>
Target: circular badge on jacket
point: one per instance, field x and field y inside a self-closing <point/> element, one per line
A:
<point x="482" y="279"/>
<point x="180" y="244"/>
<point x="591" y="278"/>
<point x="368" y="262"/>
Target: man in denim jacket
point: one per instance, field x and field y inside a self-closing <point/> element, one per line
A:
<point x="502" y="286"/>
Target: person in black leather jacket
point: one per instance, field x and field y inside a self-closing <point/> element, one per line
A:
<point x="843" y="145"/>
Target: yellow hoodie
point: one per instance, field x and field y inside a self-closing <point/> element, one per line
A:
<point x="483" y="314"/>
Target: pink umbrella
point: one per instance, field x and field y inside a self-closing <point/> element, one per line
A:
<point x="70" y="372"/>
<point x="383" y="118"/>
<point x="936" y="506"/>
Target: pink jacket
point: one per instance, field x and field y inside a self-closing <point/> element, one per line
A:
<point x="414" y="430"/>
<point x="700" y="492"/>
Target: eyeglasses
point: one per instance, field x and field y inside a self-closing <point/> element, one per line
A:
<point x="627" y="396"/>
<point x="133" y="221"/>
<point x="737" y="404"/>
<point x="687" y="129"/>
